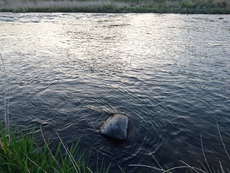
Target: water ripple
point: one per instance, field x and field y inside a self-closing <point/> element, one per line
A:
<point x="168" y="73"/>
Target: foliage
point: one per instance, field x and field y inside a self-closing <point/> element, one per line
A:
<point x="113" y="6"/>
<point x="21" y="154"/>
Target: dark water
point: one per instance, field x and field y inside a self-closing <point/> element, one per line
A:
<point x="170" y="74"/>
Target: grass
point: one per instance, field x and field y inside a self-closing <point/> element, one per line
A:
<point x="21" y="154"/>
<point x="186" y="167"/>
<point x="111" y="6"/>
<point x="6" y="108"/>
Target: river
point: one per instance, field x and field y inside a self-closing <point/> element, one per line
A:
<point x="169" y="73"/>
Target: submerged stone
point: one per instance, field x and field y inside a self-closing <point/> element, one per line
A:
<point x="115" y="127"/>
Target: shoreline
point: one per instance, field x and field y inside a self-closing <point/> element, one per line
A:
<point x="107" y="6"/>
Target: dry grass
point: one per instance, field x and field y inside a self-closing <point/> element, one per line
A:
<point x="221" y="1"/>
<point x="204" y="167"/>
<point x="17" y="4"/>
<point x="162" y="6"/>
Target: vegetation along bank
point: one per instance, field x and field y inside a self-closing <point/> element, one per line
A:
<point x="118" y="6"/>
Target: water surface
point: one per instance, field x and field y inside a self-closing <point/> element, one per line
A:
<point x="169" y="73"/>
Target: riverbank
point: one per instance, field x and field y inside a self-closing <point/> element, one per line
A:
<point x="122" y="6"/>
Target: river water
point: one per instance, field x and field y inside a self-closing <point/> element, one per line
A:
<point x="169" y="73"/>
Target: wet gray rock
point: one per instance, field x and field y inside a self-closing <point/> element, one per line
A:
<point x="115" y="127"/>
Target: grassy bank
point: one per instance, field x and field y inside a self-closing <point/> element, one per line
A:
<point x="21" y="154"/>
<point x="111" y="6"/>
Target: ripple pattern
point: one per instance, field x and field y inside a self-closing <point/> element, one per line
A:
<point x="169" y="73"/>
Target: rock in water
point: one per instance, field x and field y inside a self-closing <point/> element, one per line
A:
<point x="115" y="127"/>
